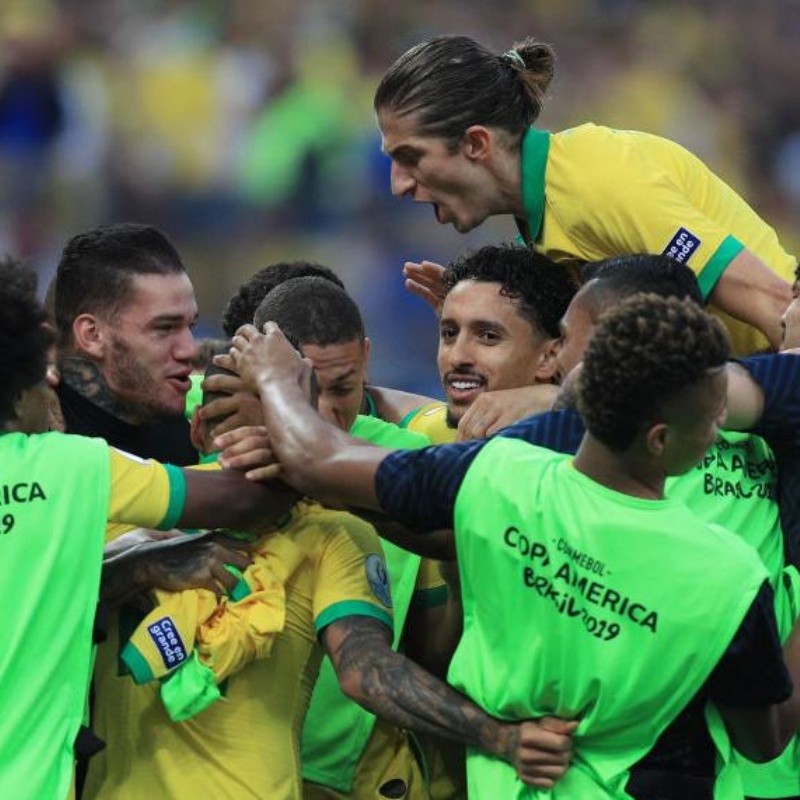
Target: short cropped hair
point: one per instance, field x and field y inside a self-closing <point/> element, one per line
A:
<point x="97" y="268"/>
<point x="623" y="276"/>
<point x="241" y="308"/>
<point x="24" y="339"/>
<point x="312" y="311"/>
<point x="644" y="352"/>
<point x="541" y="288"/>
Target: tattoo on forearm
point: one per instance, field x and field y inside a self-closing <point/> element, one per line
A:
<point x="85" y="378"/>
<point x="395" y="688"/>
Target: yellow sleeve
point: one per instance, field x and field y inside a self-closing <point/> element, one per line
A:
<point x="630" y="203"/>
<point x="351" y="575"/>
<point x="430" y="590"/>
<point x="144" y="493"/>
<point x="431" y="420"/>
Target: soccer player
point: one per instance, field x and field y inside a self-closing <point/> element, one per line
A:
<point x="498" y="334"/>
<point x="574" y="544"/>
<point x="59" y="493"/>
<point x="316" y="569"/>
<point x="456" y="122"/>
<point x="346" y="751"/>
<point x="125" y="309"/>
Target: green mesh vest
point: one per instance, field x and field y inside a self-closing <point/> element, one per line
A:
<point x="585" y="603"/>
<point x="54" y="498"/>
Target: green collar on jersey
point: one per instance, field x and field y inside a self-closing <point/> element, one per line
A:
<point x="369" y="406"/>
<point x="535" y="149"/>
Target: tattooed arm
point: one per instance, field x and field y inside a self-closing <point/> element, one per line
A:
<point x="396" y="689"/>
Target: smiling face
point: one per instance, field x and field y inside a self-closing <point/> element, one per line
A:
<point x="428" y="170"/>
<point x="149" y="345"/>
<point x="485" y="344"/>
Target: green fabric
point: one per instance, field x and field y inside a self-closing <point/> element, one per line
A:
<point x="430" y="598"/>
<point x="387" y="434"/>
<point x="614" y="609"/>
<point x="54" y="496"/>
<point x="351" y="608"/>
<point x="194" y="397"/>
<point x="735" y="486"/>
<point x="177" y="498"/>
<point x="535" y="149"/>
<point x="369" y="402"/>
<point x="717" y="264"/>
<point x="190" y="689"/>
<point x="336" y="730"/>
<point x="781" y="776"/>
<point x="136" y="664"/>
<point x="242" y="588"/>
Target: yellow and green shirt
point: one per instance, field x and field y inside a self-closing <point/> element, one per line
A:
<point x="246" y="746"/>
<point x="593" y="192"/>
<point x="431" y="420"/>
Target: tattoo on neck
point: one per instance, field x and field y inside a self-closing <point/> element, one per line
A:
<point x="84" y="377"/>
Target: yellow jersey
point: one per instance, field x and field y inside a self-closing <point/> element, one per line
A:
<point x="592" y="193"/>
<point x="247" y="744"/>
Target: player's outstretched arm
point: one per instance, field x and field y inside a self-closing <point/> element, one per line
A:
<point x="393" y="687"/>
<point x="316" y="457"/>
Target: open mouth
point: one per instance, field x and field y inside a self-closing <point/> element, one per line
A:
<point x="464" y="390"/>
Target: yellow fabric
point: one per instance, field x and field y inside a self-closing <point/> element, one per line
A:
<point x="140" y="490"/>
<point x="429" y="576"/>
<point x="431" y="419"/>
<point x="246" y="745"/>
<point x="226" y="634"/>
<point x="611" y="192"/>
<point x="387" y="758"/>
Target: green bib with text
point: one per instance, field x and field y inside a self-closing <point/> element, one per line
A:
<point x="585" y="603"/>
<point x="54" y="498"/>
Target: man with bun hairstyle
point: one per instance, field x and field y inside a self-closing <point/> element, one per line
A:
<point x="457" y="122"/>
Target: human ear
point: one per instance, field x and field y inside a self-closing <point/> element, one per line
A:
<point x="656" y="439"/>
<point x="547" y="367"/>
<point x="90" y="335"/>
<point x="477" y="142"/>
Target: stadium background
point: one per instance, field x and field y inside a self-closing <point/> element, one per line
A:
<point x="244" y="129"/>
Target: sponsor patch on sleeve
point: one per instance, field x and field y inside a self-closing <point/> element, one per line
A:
<point x="681" y="246"/>
<point x="378" y="579"/>
<point x="168" y="642"/>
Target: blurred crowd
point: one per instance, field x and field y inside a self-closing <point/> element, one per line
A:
<point x="245" y="131"/>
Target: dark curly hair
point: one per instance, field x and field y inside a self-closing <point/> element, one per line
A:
<point x="242" y="306"/>
<point x="643" y="352"/>
<point x="312" y="310"/>
<point x="542" y="289"/>
<point x="24" y="339"/>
